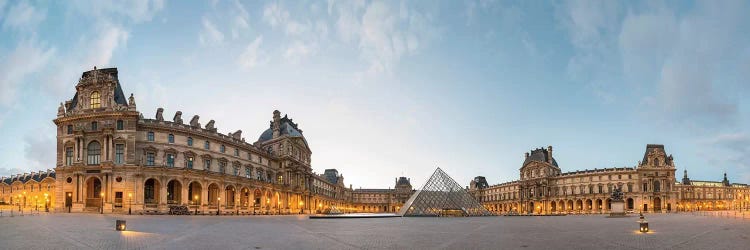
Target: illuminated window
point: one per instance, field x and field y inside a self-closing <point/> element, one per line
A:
<point x="95" y="100"/>
<point x="170" y="160"/>
<point x="189" y="162"/>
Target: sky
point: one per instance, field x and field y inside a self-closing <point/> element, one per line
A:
<point x="384" y="89"/>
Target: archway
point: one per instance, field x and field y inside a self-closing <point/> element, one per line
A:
<point x="570" y="205"/>
<point x="194" y="192"/>
<point x="174" y="192"/>
<point x="257" y="198"/>
<point x="579" y="205"/>
<point x="151" y="192"/>
<point x="589" y="205"/>
<point x="229" y="196"/>
<point x="244" y="198"/>
<point x="657" y="204"/>
<point x="599" y="205"/>
<point x="93" y="192"/>
<point x="553" y="206"/>
<point x="213" y="195"/>
<point x="631" y="204"/>
<point x="609" y="204"/>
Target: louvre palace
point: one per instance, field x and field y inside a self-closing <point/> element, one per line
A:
<point x="111" y="159"/>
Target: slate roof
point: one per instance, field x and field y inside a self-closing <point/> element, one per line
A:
<point x="287" y="128"/>
<point x="651" y="148"/>
<point x="539" y="154"/>
<point x="23" y="178"/>
<point x="118" y="95"/>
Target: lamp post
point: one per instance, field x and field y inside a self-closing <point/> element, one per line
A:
<point x="101" y="196"/>
<point x="195" y="200"/>
<point x="46" y="202"/>
<point x="301" y="203"/>
<point x="36" y="202"/>
<point x="218" y="205"/>
<point x="70" y="205"/>
<point x="130" y="203"/>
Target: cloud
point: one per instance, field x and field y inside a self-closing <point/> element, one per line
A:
<point x="387" y="34"/>
<point x="39" y="150"/>
<point x="240" y="21"/>
<point x="275" y="15"/>
<point x="95" y="49"/>
<point x="297" y="51"/>
<point x="8" y="172"/>
<point x="252" y="56"/>
<point x="681" y="55"/>
<point x="135" y="10"/>
<point x="27" y="58"/>
<point x="23" y="17"/>
<point x="210" y="35"/>
<point x="735" y="152"/>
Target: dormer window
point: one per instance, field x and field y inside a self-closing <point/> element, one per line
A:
<point x="95" y="100"/>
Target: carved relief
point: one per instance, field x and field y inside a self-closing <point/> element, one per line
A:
<point x="159" y="115"/>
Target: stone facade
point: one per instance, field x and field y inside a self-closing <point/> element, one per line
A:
<point x="649" y="187"/>
<point x="110" y="159"/>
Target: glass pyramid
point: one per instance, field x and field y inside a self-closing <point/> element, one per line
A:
<point x="442" y="196"/>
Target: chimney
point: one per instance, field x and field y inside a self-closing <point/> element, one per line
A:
<point x="527" y="154"/>
<point x="549" y="153"/>
<point x="276" y="123"/>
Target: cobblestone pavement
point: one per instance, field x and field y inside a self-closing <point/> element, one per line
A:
<point x="94" y="231"/>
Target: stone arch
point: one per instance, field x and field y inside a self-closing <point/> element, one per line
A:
<point x="213" y="194"/>
<point x="174" y="191"/>
<point x="589" y="205"/>
<point x="195" y="190"/>
<point x="630" y="204"/>
<point x="93" y="191"/>
<point x="151" y="188"/>
<point x="570" y="205"/>
<point x="244" y="197"/>
<point x="230" y="196"/>
<point x="579" y="205"/>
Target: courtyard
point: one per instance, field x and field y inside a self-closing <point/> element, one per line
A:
<point x="94" y="231"/>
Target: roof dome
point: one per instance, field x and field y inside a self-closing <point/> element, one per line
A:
<point x="287" y="127"/>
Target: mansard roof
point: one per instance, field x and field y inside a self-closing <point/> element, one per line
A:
<point x="539" y="154"/>
<point x="26" y="177"/>
<point x="119" y="96"/>
<point x="287" y="128"/>
<point x="651" y="148"/>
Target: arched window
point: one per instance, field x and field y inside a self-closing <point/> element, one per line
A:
<point x="94" y="152"/>
<point x="95" y="100"/>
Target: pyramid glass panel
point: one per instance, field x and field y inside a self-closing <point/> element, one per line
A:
<point x="442" y="196"/>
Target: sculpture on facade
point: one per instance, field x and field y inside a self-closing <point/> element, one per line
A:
<point x="194" y="121"/>
<point x="159" y="115"/>
<point x="210" y="126"/>
<point x="177" y="117"/>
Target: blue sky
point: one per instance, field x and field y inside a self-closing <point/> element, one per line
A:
<point x="390" y="88"/>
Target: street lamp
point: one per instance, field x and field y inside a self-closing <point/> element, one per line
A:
<point x="101" y="196"/>
<point x="218" y="205"/>
<point x="130" y="203"/>
<point x="195" y="200"/>
<point x="301" y="203"/>
<point x="70" y="205"/>
<point x="36" y="202"/>
<point x="46" y="202"/>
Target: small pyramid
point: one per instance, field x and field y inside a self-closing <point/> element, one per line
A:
<point x="442" y="195"/>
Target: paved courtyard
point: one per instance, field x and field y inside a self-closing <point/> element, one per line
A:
<point x="93" y="231"/>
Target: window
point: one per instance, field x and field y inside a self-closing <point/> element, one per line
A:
<point x="94" y="152"/>
<point x="645" y="187"/>
<point x="190" y="141"/>
<point x="120" y="125"/>
<point x="94" y="125"/>
<point x="248" y="171"/>
<point x="170" y="160"/>
<point x="600" y="189"/>
<point x="259" y="174"/>
<point x="189" y="162"/>
<point x="69" y="156"/>
<point x="236" y="170"/>
<point x="236" y="152"/>
<point x="207" y="164"/>
<point x="657" y="186"/>
<point x="222" y="148"/>
<point x="95" y="100"/>
<point x="249" y="156"/>
<point x="222" y="167"/>
<point x="70" y="129"/>
<point x="119" y="153"/>
<point x="150" y="156"/>
<point x="150" y="136"/>
<point x="170" y="138"/>
<point x="207" y="145"/>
